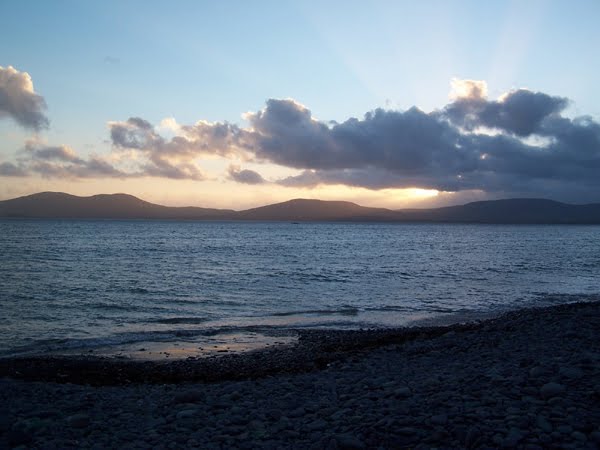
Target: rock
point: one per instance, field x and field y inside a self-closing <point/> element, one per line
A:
<point x="572" y="373"/>
<point x="317" y="425"/>
<point x="189" y="396"/>
<point x="578" y="436"/>
<point x="551" y="390"/>
<point x="349" y="442"/>
<point x="298" y="412"/>
<point x="512" y="438"/>
<point x="402" y="392"/>
<point x="564" y="429"/>
<point x="543" y="424"/>
<point x="439" y="419"/>
<point x="595" y="436"/>
<point x="186" y="414"/>
<point x="472" y="437"/>
<point x="407" y="431"/>
<point x="5" y="423"/>
<point x="45" y="413"/>
<point x="79" y="420"/>
<point x="536" y="372"/>
<point x="17" y="437"/>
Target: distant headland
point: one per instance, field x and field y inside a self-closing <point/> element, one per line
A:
<point x="124" y="206"/>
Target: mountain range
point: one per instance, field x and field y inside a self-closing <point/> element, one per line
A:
<point x="123" y="206"/>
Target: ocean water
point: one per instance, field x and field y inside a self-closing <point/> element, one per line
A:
<point x="82" y="285"/>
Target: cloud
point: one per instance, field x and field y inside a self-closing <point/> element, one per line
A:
<point x="19" y="101"/>
<point x="40" y="151"/>
<point x="519" y="112"/>
<point x="176" y="157"/>
<point x="406" y="142"/>
<point x="8" y="169"/>
<point x="202" y="138"/>
<point x="244" y="176"/>
<point x="469" y="89"/>
<point x="519" y="144"/>
<point x="61" y="161"/>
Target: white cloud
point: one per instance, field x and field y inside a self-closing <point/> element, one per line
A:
<point x="19" y="101"/>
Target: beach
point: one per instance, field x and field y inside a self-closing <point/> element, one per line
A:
<point x="527" y="379"/>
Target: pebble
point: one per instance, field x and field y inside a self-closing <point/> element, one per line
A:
<point x="515" y="385"/>
<point x="402" y="392"/>
<point x="440" y="419"/>
<point x="78" y="420"/>
<point x="551" y="390"/>
<point x="189" y="396"/>
<point x="571" y="372"/>
<point x="186" y="414"/>
<point x="543" y="424"/>
<point x="349" y="442"/>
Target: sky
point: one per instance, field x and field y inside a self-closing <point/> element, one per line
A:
<point x="240" y="104"/>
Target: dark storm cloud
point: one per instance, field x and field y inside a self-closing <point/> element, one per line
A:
<point x="408" y="143"/>
<point x="245" y="176"/>
<point x="520" y="112"/>
<point x="19" y="101"/>
<point x="446" y="150"/>
<point x="518" y="143"/>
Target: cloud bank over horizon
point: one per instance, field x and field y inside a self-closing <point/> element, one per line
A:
<point x="519" y="144"/>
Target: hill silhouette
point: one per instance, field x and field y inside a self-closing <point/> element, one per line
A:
<point x="102" y="206"/>
<point x="123" y="206"/>
<point x="316" y="210"/>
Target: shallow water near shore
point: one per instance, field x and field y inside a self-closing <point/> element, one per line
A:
<point x="107" y="286"/>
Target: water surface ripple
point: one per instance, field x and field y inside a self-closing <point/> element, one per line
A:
<point x="88" y="283"/>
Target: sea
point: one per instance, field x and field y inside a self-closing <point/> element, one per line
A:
<point x="160" y="289"/>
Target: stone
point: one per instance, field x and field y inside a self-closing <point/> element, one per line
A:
<point x="572" y="373"/>
<point x="317" y="425"/>
<point x="79" y="420"/>
<point x="512" y="438"/>
<point x="349" y="442"/>
<point x="564" y="429"/>
<point x="17" y="437"/>
<point x="578" y="436"/>
<point x="189" y="396"/>
<point x="186" y="414"/>
<point x="298" y="412"/>
<point x="439" y="419"/>
<point x="536" y="372"/>
<point x="543" y="424"/>
<point x="5" y="423"/>
<point x="595" y="436"/>
<point x="551" y="390"/>
<point x="472" y="437"/>
<point x="402" y="392"/>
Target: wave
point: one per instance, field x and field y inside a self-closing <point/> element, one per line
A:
<point x="344" y="311"/>
<point x="181" y="320"/>
<point x="411" y="309"/>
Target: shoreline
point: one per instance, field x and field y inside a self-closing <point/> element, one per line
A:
<point x="528" y="379"/>
<point x="312" y="349"/>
